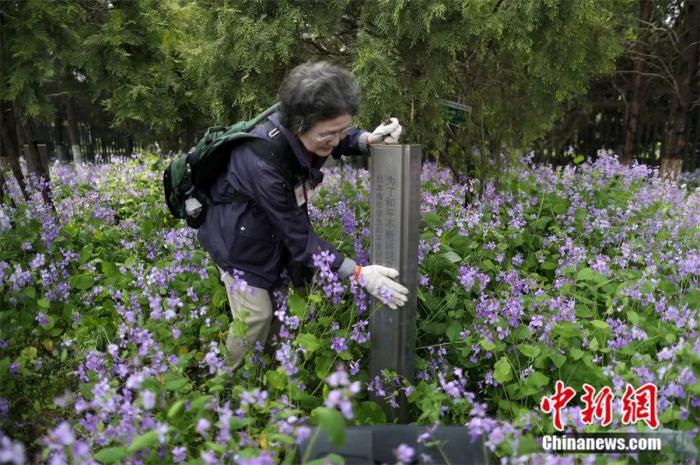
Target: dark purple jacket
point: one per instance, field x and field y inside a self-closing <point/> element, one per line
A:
<point x="260" y="236"/>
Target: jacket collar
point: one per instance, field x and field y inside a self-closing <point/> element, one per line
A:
<point x="299" y="150"/>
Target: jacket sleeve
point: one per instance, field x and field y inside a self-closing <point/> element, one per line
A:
<point x="354" y="143"/>
<point x="290" y="222"/>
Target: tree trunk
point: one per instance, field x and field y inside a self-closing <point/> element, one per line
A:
<point x="73" y="135"/>
<point x="10" y="147"/>
<point x="92" y="153"/>
<point x="634" y="108"/>
<point x="59" y="142"/>
<point x="676" y="137"/>
<point x="129" y="145"/>
<point x="25" y="136"/>
<point x="5" y="186"/>
<point x="29" y="149"/>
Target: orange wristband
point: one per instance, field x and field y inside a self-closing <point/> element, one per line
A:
<point x="358" y="270"/>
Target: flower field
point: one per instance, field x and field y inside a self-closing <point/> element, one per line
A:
<point x="113" y="320"/>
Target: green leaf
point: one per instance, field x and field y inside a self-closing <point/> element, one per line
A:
<point x="332" y="423"/>
<point x="452" y="257"/>
<point x="528" y="350"/>
<point x="108" y="268"/>
<point x="283" y="438"/>
<point x="200" y="402"/>
<point x="276" y="379"/>
<point x="502" y="372"/>
<point x="454" y="330"/>
<point x="330" y="458"/>
<point x="433" y="220"/>
<point x="85" y="253"/>
<point x="370" y="413"/>
<point x="600" y="324"/>
<point x="593" y="345"/>
<point x="566" y="329"/>
<point x="527" y="445"/>
<point x="144" y="441"/>
<point x="175" y="384"/>
<point x="557" y="358"/>
<point x="521" y="333"/>
<point x="669" y="415"/>
<point x="323" y="365"/>
<point x="537" y="379"/>
<point x="176" y="409"/>
<point x="693" y="388"/>
<point x="585" y="274"/>
<point x="110" y="454"/>
<point x="309" y="342"/>
<point x="487" y="345"/>
<point x="297" y="306"/>
<point x="583" y="311"/>
<point x="4" y="367"/>
<point x="81" y="281"/>
<point x="43" y="303"/>
<point x="633" y="317"/>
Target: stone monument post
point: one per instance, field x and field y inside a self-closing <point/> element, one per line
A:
<point x="394" y="226"/>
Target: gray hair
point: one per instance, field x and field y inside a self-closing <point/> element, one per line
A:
<point x="314" y="92"/>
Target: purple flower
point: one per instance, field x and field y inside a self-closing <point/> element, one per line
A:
<point x="337" y="399"/>
<point x="339" y="344"/>
<point x="264" y="458"/>
<point x="496" y="436"/>
<point x="38" y="261"/>
<point x="288" y="358"/>
<point x="332" y="287"/>
<point x="62" y="435"/>
<point x="4" y="409"/>
<point x="212" y="358"/>
<point x="359" y="334"/>
<point x="149" y="399"/>
<point x="404" y="454"/>
<point x="202" y="426"/>
<point x="427" y="435"/>
<point x="301" y="434"/>
<point x="354" y="367"/>
<point x="341" y="397"/>
<point x="11" y="452"/>
<point x="225" y="415"/>
<point x="255" y="397"/>
<point x="42" y="319"/>
<point x="209" y="458"/>
<point x="179" y="454"/>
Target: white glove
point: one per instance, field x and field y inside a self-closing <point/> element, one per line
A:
<point x="387" y="133"/>
<point x="378" y="281"/>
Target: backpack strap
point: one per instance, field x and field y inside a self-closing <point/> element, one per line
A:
<point x="275" y="151"/>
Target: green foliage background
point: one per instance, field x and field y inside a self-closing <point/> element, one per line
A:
<point x="159" y="67"/>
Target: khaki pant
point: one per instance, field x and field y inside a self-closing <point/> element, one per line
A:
<point x="253" y="306"/>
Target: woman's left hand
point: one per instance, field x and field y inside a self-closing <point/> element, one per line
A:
<point x="388" y="133"/>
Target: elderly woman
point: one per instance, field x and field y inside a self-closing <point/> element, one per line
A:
<point x="259" y="224"/>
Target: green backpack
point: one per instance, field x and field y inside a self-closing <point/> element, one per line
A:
<point x="187" y="178"/>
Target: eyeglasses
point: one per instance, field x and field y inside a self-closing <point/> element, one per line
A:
<point x="329" y="136"/>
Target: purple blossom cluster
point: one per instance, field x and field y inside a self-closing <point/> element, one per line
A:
<point x="332" y="287"/>
<point x="162" y="314"/>
<point x="341" y="395"/>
